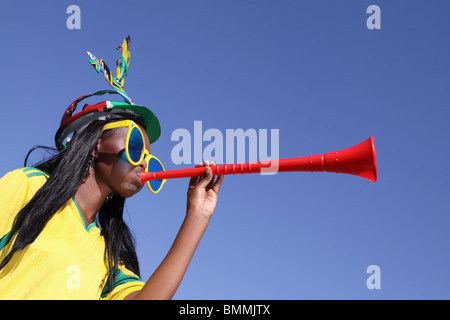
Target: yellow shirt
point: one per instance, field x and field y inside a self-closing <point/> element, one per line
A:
<point x="66" y="261"/>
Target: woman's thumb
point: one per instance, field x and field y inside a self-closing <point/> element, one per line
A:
<point x="206" y="178"/>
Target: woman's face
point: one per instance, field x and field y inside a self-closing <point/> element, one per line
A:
<point x="111" y="170"/>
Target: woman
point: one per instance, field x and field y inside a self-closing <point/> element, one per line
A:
<point x="61" y="226"/>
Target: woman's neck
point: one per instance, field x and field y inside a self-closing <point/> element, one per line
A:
<point x="90" y="198"/>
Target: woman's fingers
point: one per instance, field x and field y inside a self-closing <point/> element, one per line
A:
<point x="207" y="179"/>
<point x="218" y="183"/>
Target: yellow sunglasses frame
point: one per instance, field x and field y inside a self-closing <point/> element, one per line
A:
<point x="147" y="159"/>
<point x="145" y="154"/>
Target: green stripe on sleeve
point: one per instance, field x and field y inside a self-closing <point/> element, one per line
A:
<point x="121" y="279"/>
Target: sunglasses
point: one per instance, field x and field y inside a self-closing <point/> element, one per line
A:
<point x="135" y="151"/>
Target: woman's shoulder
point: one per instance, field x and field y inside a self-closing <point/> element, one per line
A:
<point x="17" y="187"/>
<point x="32" y="172"/>
<point x="26" y="172"/>
<point x="25" y="175"/>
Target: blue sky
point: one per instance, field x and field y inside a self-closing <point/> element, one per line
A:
<point x="312" y="70"/>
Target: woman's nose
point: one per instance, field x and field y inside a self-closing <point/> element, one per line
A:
<point x="144" y="163"/>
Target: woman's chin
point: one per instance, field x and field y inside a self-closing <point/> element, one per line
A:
<point x="130" y="189"/>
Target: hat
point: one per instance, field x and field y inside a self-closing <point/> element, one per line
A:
<point x="105" y="110"/>
<point x="70" y="123"/>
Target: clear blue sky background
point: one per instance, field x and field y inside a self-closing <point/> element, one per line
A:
<point x="311" y="69"/>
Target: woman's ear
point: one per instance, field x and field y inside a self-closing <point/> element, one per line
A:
<point x="95" y="151"/>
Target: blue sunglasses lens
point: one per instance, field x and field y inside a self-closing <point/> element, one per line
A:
<point x="135" y="145"/>
<point x="154" y="166"/>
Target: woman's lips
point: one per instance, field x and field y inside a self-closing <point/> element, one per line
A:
<point x="138" y="173"/>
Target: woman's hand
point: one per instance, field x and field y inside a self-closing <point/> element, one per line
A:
<point x="202" y="193"/>
<point x="201" y="202"/>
